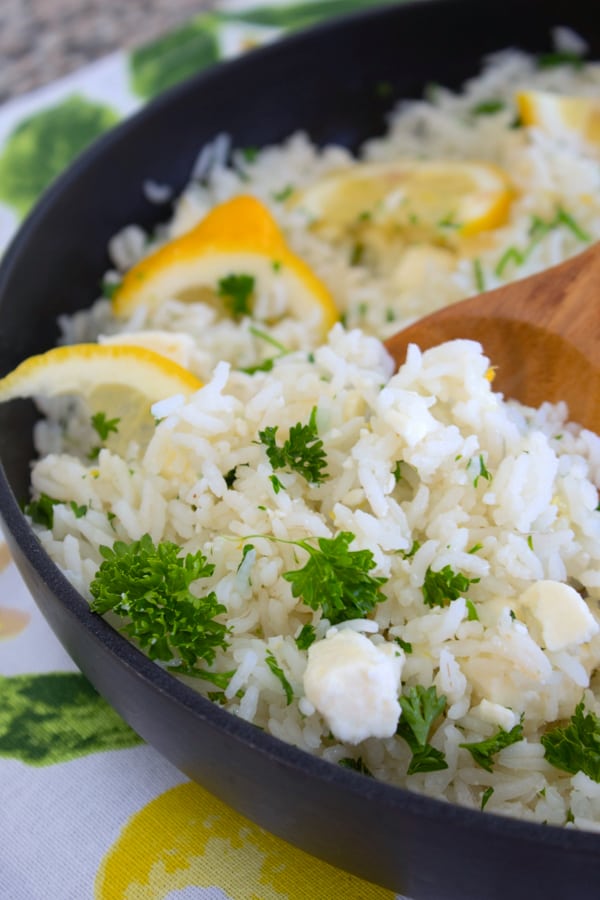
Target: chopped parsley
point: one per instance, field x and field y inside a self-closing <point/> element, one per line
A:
<point x="537" y="232"/>
<point x="284" y="194"/>
<point x="103" y="426"/>
<point x="41" y="511"/>
<point x="472" y="614"/>
<point x="486" y="796"/>
<point x="236" y="291"/>
<point x="336" y="579"/>
<point x="279" y="673"/>
<point x="249" y="154"/>
<point x="576" y="746"/>
<point x="79" y="511"/>
<point x="357" y="765"/>
<point x="149" y="586"/>
<point x="306" y="637"/>
<point x="277" y="484"/>
<point x="230" y="477"/>
<point x="483" y="471"/>
<point x="408" y="554"/>
<point x="406" y="645"/>
<point x="302" y="452"/>
<point x="483" y="752"/>
<point x="420" y="708"/>
<point x="488" y="107"/>
<point x="478" y="275"/>
<point x="357" y="254"/>
<point x="110" y="288"/>
<point x="559" y="58"/>
<point x="440" y="588"/>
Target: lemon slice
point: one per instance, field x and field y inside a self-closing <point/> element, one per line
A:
<point x="83" y="369"/>
<point x="557" y="113"/>
<point x="122" y="381"/>
<point x="237" y="238"/>
<point x="418" y="196"/>
<point x="175" y="345"/>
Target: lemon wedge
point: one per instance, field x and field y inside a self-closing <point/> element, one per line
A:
<point x="120" y="380"/>
<point x="556" y="114"/>
<point x="420" y="197"/>
<point x="237" y="238"/>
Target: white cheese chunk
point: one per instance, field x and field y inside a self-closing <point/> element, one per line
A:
<point x="562" y="615"/>
<point x="354" y="684"/>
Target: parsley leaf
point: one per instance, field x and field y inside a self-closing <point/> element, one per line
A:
<point x="149" y="586"/>
<point x="484" y="751"/>
<point x="336" y="579"/>
<point x="576" y="747"/>
<point x="41" y="511"/>
<point x="488" y="107"/>
<point x="559" y="58"/>
<point x="79" y="511"/>
<point x="357" y="765"/>
<point x="306" y="637"/>
<point x="420" y="708"/>
<point x="279" y="673"/>
<point x="486" y="796"/>
<point x="440" y="588"/>
<point x="237" y="290"/>
<point x="302" y="451"/>
<point x="103" y="426"/>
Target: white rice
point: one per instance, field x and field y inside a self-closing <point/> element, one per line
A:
<point x="533" y="517"/>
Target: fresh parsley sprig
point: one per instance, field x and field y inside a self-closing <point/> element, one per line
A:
<point x="148" y="585"/>
<point x="576" y="746"/>
<point x="483" y="752"/>
<point x="420" y="708"/>
<point x="336" y="579"/>
<point x="302" y="452"/>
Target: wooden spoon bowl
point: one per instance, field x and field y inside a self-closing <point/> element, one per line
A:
<point x="542" y="335"/>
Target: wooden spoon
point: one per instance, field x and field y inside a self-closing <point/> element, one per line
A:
<point x="542" y="334"/>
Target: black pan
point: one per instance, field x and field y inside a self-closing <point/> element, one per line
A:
<point x="325" y="81"/>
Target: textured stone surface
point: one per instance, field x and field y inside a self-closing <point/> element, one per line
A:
<point x="40" y="40"/>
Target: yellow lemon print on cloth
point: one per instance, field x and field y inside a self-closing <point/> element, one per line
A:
<point x="187" y="838"/>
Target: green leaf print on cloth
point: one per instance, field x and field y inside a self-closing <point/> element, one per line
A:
<point x="54" y="717"/>
<point x="44" y="144"/>
<point x="162" y="63"/>
<point x="301" y="15"/>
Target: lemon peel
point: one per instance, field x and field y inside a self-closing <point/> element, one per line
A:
<point x="238" y="236"/>
<point x="556" y="114"/>
<point x="420" y="197"/>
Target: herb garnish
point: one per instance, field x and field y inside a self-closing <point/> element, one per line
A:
<point x="41" y="511"/>
<point x="336" y="579"/>
<point x="302" y="452"/>
<point x="559" y="58"/>
<point x="576" y="746"/>
<point x="440" y="588"/>
<point x="237" y="291"/>
<point x="488" y="107"/>
<point x="103" y="426"/>
<point x="486" y="796"/>
<point x="484" y="751"/>
<point x="306" y="637"/>
<point x="149" y="586"/>
<point x="420" y="708"/>
<point x="537" y="231"/>
<point x="357" y="765"/>
<point x="279" y="673"/>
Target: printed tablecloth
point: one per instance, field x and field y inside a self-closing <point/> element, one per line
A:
<point x="87" y="810"/>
